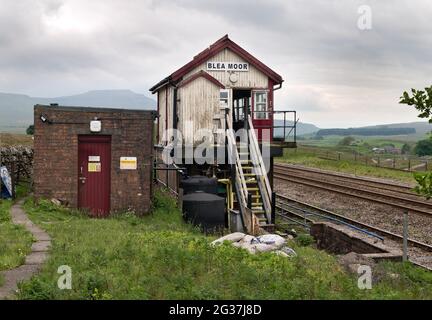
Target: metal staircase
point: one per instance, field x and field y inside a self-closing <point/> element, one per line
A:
<point x="252" y="192"/>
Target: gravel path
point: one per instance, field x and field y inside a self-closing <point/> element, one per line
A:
<point x="33" y="261"/>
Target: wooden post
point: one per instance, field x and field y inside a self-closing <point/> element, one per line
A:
<point x="409" y="164"/>
<point x="273" y="213"/>
<point x="405" y="236"/>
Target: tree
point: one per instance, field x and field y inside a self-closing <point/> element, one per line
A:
<point x="30" y="130"/>
<point x="422" y="101"/>
<point x="406" y="148"/>
<point x="423" y="148"/>
<point x="346" y="141"/>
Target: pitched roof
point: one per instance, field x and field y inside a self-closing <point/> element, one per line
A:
<point x="203" y="74"/>
<point x="209" y="52"/>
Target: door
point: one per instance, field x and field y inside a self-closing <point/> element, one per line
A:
<point x="94" y="174"/>
<point x="262" y="117"/>
<point x="241" y="106"/>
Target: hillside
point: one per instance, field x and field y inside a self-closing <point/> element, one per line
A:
<point x="302" y="128"/>
<point x="16" y="110"/>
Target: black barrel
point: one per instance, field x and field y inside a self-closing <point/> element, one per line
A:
<point x="205" y="210"/>
<point x="199" y="183"/>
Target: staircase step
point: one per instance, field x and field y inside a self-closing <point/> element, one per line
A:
<point x="256" y="196"/>
<point x="251" y="181"/>
<point x="252" y="189"/>
<point x="249" y="174"/>
<point x="257" y="211"/>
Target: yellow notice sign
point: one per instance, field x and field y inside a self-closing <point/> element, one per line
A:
<point x="128" y="163"/>
<point x="94" y="167"/>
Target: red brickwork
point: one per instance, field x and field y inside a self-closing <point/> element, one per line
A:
<point x="56" y="154"/>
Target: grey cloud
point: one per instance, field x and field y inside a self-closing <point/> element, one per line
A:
<point x="328" y="64"/>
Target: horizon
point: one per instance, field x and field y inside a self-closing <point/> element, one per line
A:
<point x="419" y="120"/>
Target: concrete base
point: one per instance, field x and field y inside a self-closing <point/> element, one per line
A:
<point x="339" y="239"/>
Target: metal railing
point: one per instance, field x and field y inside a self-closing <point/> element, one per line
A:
<point x="283" y="126"/>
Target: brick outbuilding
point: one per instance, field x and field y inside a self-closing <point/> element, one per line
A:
<point x="94" y="158"/>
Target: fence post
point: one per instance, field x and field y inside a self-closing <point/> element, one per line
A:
<point x="405" y="236"/>
<point x="273" y="213"/>
<point x="409" y="164"/>
<point x="394" y="162"/>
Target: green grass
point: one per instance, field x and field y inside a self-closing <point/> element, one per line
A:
<point x="15" y="241"/>
<point x="309" y="159"/>
<point x="363" y="144"/>
<point x="161" y="257"/>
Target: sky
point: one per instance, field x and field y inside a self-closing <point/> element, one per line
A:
<point x="336" y="73"/>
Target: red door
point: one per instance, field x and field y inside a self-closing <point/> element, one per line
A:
<point x="94" y="174"/>
<point x="262" y="117"/>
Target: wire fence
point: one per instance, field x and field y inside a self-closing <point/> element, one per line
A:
<point x="408" y="163"/>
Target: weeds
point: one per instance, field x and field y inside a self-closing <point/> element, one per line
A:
<point x="160" y="257"/>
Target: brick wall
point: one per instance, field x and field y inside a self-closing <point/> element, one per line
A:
<point x="56" y="154"/>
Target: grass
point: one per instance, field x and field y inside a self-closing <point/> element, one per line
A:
<point x="364" y="144"/>
<point x="161" y="257"/>
<point x="15" y="241"/>
<point x="309" y="159"/>
<point x="15" y="139"/>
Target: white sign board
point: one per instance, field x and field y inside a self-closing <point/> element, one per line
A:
<point x="128" y="163"/>
<point x="94" y="158"/>
<point x="227" y="66"/>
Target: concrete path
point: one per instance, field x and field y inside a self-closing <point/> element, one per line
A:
<point x="33" y="261"/>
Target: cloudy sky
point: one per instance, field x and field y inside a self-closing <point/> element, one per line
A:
<point x="335" y="74"/>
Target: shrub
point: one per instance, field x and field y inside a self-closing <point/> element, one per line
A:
<point x="305" y="239"/>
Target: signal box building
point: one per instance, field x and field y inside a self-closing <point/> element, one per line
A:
<point x="226" y="87"/>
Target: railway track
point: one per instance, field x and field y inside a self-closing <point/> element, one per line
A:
<point x="397" y="196"/>
<point x="305" y="214"/>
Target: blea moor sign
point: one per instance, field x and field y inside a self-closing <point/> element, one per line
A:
<point x="227" y="66"/>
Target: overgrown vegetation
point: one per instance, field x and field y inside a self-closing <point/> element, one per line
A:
<point x="422" y="101"/>
<point x="306" y="158"/>
<point x="15" y="241"/>
<point x="161" y="257"/>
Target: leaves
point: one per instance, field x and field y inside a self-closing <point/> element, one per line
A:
<point x="424" y="184"/>
<point x="421" y="100"/>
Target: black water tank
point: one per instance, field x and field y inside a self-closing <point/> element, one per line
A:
<point x="199" y="183"/>
<point x="205" y="210"/>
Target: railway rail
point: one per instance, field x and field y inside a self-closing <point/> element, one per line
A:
<point x="305" y="214"/>
<point x="393" y="195"/>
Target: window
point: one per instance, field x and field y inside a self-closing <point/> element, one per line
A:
<point x="260" y="105"/>
<point x="223" y="98"/>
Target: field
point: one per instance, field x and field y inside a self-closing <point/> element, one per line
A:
<point x="303" y="156"/>
<point x="11" y="139"/>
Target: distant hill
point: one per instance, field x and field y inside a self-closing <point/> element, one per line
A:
<point x="367" y="131"/>
<point x="16" y="110"/>
<point x="302" y="128"/>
